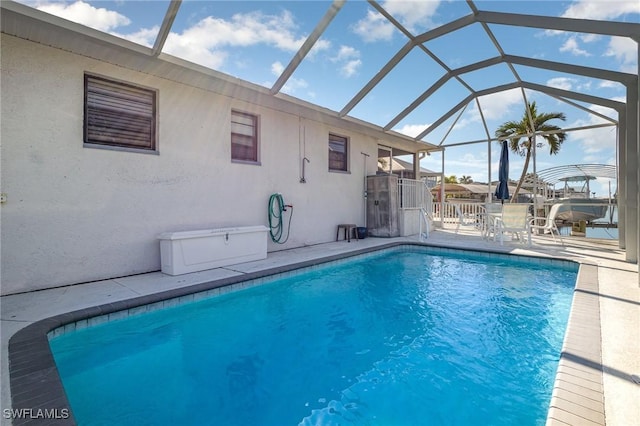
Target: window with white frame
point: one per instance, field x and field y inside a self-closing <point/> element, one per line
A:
<point x="118" y="114"/>
<point x="338" y="153"/>
<point x="244" y="136"/>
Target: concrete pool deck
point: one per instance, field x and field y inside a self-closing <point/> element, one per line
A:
<point x="611" y="290"/>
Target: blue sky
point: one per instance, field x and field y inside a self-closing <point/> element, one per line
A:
<point x="255" y="40"/>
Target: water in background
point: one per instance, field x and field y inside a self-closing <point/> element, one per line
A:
<point x="397" y="339"/>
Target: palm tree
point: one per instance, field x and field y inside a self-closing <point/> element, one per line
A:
<point x="451" y="179"/>
<point x="465" y="179"/>
<point x="516" y="132"/>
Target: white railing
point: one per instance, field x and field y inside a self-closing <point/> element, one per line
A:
<point x="427" y="221"/>
<point x="414" y="195"/>
<point x="474" y="208"/>
<point x="447" y="210"/>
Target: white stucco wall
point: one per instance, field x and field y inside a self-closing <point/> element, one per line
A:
<point x="75" y="214"/>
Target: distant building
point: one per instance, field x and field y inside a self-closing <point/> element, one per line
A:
<point x="475" y="192"/>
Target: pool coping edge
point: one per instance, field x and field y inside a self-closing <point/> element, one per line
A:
<point x="578" y="391"/>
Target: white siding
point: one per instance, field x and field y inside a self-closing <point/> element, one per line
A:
<point x="77" y="214"/>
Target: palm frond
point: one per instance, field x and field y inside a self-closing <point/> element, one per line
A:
<point x="531" y="122"/>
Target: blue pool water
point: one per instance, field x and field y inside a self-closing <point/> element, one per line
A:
<point x="398" y="338"/>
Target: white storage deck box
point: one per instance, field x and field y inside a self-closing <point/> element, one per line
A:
<point x="191" y="251"/>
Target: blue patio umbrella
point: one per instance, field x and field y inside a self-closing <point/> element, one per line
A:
<point x="502" y="190"/>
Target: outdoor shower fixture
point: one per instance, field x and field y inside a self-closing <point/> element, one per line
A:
<point x="302" y="179"/>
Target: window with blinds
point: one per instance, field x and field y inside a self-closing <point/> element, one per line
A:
<point x="244" y="136"/>
<point x="338" y="149"/>
<point x="119" y="114"/>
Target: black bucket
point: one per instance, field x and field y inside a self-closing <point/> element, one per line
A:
<point x="362" y="232"/>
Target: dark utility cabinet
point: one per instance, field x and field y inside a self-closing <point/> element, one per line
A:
<point x="382" y="206"/>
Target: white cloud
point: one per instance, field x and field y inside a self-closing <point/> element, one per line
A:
<point x="277" y="68"/>
<point x="145" y="37"/>
<point x="603" y="10"/>
<point x="563" y="83"/>
<point x="590" y="38"/>
<point x="320" y="45"/>
<point x="499" y="106"/>
<point x="604" y="187"/>
<point x="243" y="30"/>
<point x="586" y="86"/>
<point x="598" y="141"/>
<point x="198" y="52"/>
<point x="207" y="41"/>
<point x="496" y="106"/>
<point x="346" y="52"/>
<point x="348" y="57"/>
<point x="415" y="16"/>
<point x="624" y="50"/>
<point x="292" y="85"/>
<point x="412" y="130"/>
<point x="373" y="27"/>
<point x="350" y="68"/>
<point x="471" y="160"/>
<point x="610" y="85"/>
<point x="595" y="141"/>
<point x="571" y="46"/>
<point x="257" y="28"/>
<point x="86" y="14"/>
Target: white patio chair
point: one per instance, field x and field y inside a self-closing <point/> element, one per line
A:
<point x="467" y="219"/>
<point x="514" y="220"/>
<point x="548" y="224"/>
<point x="491" y="212"/>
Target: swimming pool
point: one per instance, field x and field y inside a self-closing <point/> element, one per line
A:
<point x="386" y="339"/>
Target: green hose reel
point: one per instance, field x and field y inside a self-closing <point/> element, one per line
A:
<point x="276" y="210"/>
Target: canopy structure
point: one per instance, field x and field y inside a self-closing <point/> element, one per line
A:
<point x="577" y="172"/>
<point x="574" y="174"/>
<point x="481" y="22"/>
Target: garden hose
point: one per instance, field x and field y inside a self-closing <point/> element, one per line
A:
<point x="276" y="208"/>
